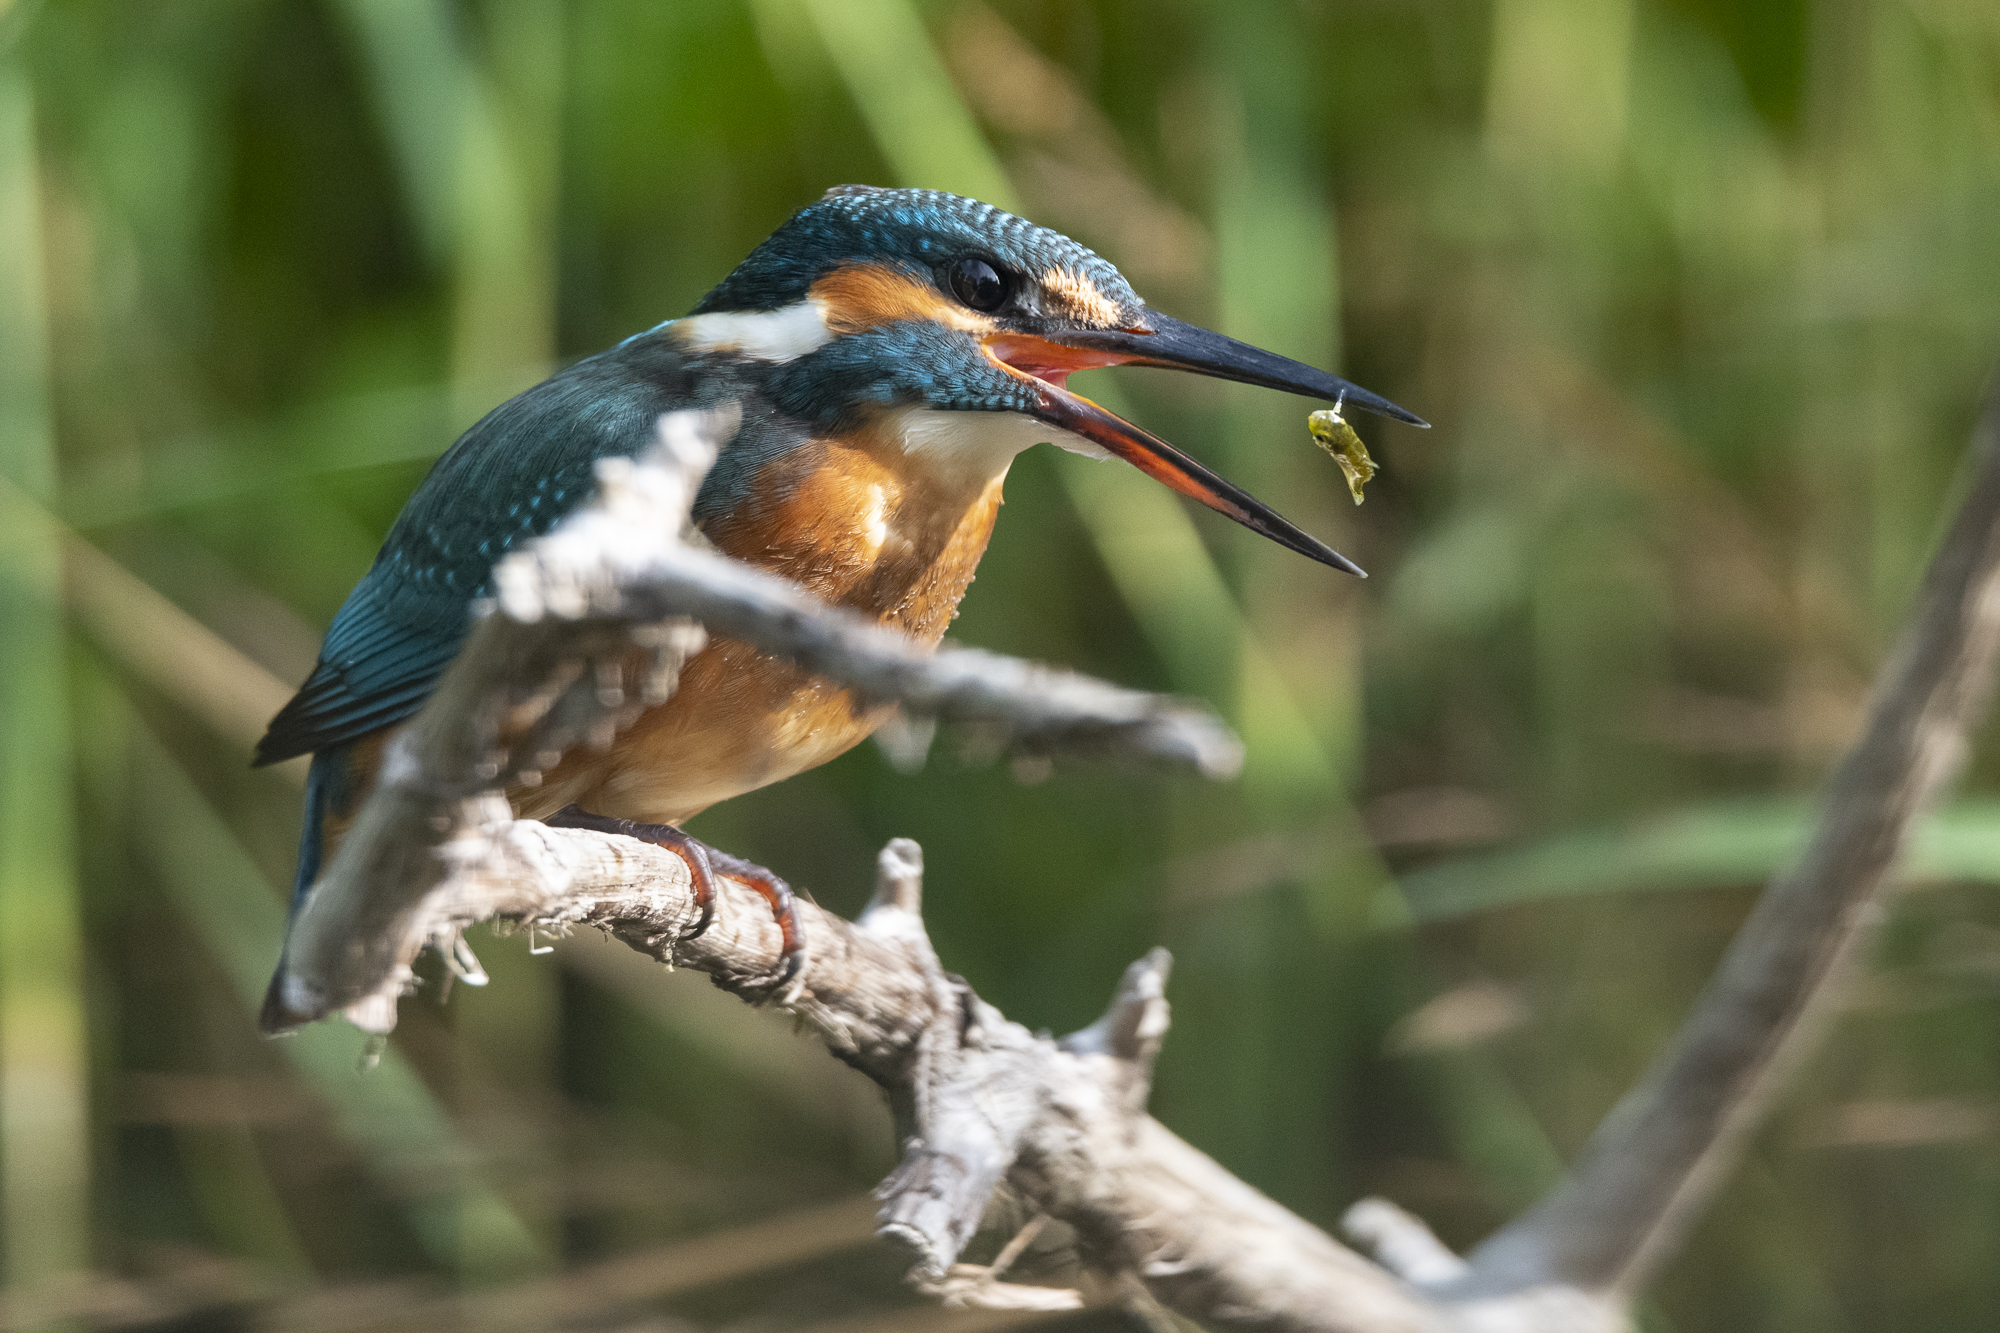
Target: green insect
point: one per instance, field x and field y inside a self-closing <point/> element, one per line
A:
<point x="1332" y="433"/>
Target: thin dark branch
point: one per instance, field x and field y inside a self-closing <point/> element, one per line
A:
<point x="1654" y="1163"/>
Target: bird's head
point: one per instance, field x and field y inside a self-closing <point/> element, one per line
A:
<point x="874" y="300"/>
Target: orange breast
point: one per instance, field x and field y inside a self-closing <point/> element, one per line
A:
<point x="863" y="525"/>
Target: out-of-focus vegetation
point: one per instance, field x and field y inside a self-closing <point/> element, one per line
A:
<point x="1700" y="296"/>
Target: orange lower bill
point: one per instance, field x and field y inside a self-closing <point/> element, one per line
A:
<point x="1047" y="365"/>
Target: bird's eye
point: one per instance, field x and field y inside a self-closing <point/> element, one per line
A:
<point x="977" y="283"/>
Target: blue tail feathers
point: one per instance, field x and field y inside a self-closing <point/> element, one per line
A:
<point x="325" y="782"/>
<point x="327" y="786"/>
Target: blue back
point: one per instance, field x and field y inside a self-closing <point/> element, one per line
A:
<point x="512" y="476"/>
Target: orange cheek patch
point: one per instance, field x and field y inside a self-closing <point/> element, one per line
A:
<point x="860" y="297"/>
<point x="1080" y="298"/>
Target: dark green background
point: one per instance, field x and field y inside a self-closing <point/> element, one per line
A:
<point x="1699" y="296"/>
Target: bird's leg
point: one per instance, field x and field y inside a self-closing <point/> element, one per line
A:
<point x="684" y="845"/>
<point x="704" y="863"/>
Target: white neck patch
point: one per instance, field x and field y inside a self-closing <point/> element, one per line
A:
<point x="980" y="442"/>
<point x="784" y="334"/>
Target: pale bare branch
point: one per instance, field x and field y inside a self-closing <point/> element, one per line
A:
<point x="986" y="1108"/>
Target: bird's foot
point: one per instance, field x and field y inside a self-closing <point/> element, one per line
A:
<point x="704" y="863"/>
<point x="784" y="910"/>
<point x="687" y="847"/>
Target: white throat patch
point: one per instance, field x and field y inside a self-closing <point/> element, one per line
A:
<point x="982" y="442"/>
<point x="785" y="334"/>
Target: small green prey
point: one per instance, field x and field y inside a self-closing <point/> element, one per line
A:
<point x="1331" y="432"/>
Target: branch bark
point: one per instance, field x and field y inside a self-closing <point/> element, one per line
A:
<point x="984" y="1106"/>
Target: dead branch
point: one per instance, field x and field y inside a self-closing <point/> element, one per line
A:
<point x="980" y="1101"/>
<point x="982" y="1105"/>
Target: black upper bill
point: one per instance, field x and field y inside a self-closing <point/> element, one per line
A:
<point x="1175" y="345"/>
<point x="1044" y="359"/>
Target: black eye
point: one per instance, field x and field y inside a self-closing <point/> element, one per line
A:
<point x="977" y="283"/>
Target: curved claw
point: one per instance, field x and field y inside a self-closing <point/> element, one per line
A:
<point x="704" y="863"/>
<point x="691" y="850"/>
<point x="784" y="910"/>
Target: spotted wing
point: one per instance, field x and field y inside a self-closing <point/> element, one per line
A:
<point x="509" y="478"/>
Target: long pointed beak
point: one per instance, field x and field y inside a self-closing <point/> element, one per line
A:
<point x="1047" y="361"/>
<point x="1175" y="345"/>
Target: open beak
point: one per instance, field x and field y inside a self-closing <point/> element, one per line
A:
<point x="1047" y="361"/>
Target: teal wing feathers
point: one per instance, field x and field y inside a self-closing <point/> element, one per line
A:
<point x="509" y="478"/>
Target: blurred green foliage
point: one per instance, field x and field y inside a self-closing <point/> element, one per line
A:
<point x="1699" y="295"/>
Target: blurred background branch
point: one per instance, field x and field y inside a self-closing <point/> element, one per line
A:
<point x="1666" y="1148"/>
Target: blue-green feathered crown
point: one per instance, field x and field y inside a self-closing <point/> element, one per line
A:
<point x="920" y="229"/>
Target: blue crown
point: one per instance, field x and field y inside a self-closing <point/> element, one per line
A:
<point x="917" y="229"/>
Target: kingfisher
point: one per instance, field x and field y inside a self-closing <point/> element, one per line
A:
<point x="890" y="352"/>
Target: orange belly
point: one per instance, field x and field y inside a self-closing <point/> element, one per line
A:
<point x="740" y="720"/>
<point x="861" y="524"/>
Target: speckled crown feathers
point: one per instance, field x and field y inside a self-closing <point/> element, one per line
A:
<point x="919" y="229"/>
